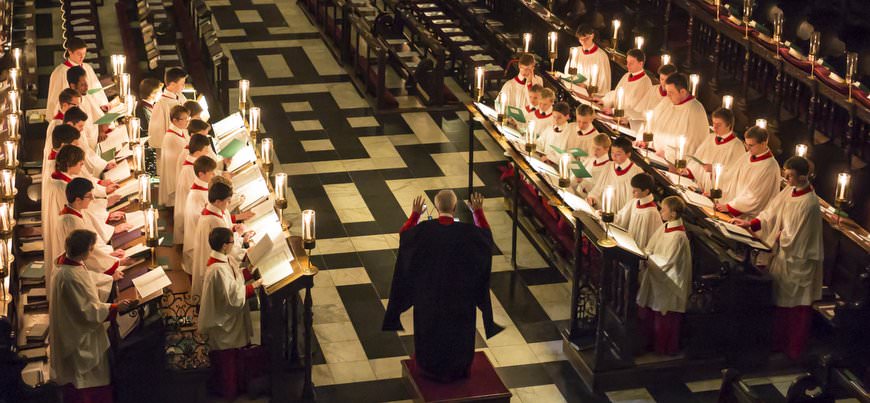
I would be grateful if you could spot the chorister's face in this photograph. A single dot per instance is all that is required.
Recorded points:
(792, 178)
(639, 193)
(78, 56)
(560, 118)
(526, 70)
(666, 213)
(86, 201)
(546, 103)
(599, 151)
(633, 64)
(586, 40)
(618, 155)
(80, 125)
(82, 85)
(754, 147)
(534, 98)
(182, 122)
(720, 127)
(206, 177)
(76, 168)
(662, 79)
(676, 96)
(585, 120)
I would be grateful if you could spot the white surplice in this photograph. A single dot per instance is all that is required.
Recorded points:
(597, 167)
(182, 188)
(209, 219)
(159, 123)
(792, 224)
(554, 135)
(223, 314)
(77, 332)
(597, 56)
(582, 138)
(655, 95)
(640, 218)
(620, 178)
(670, 121)
(197, 199)
(666, 282)
(726, 150)
(752, 185)
(516, 91)
(100, 260)
(636, 89)
(57, 83)
(173, 142)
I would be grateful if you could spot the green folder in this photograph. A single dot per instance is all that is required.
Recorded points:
(108, 155)
(107, 118)
(576, 152)
(580, 171)
(96, 90)
(575, 79)
(516, 114)
(232, 148)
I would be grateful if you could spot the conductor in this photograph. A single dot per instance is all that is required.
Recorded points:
(443, 269)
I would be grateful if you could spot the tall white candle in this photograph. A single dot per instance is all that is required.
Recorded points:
(607, 200)
(280, 184)
(761, 123)
(666, 59)
(727, 101)
(638, 42)
(695, 79)
(843, 180)
(717, 175)
(620, 98)
(800, 150)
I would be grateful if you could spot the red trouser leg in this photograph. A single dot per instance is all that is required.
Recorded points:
(791, 329)
(646, 327)
(97, 394)
(667, 332)
(225, 377)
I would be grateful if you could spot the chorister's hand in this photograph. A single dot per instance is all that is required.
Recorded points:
(113, 199)
(660, 152)
(257, 283)
(248, 235)
(123, 228)
(741, 223)
(417, 206)
(117, 275)
(118, 253)
(116, 215)
(111, 186)
(476, 202)
(111, 165)
(126, 261)
(592, 200)
(723, 208)
(244, 216)
(639, 144)
(125, 305)
(239, 228)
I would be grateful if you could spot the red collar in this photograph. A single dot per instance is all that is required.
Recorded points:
(212, 261)
(197, 187)
(595, 163)
(67, 261)
(724, 140)
(761, 157)
(187, 162)
(796, 193)
(592, 130)
(59, 116)
(662, 91)
(523, 81)
(677, 228)
(70, 210)
(632, 78)
(445, 220)
(530, 108)
(175, 133)
(52, 155)
(60, 176)
(652, 203)
(68, 63)
(590, 51)
(689, 98)
(206, 211)
(623, 171)
(540, 115)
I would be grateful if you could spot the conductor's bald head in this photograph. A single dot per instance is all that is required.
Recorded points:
(445, 201)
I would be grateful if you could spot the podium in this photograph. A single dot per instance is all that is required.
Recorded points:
(482, 384)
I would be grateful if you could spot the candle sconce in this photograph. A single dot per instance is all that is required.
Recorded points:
(619, 109)
(553, 51)
(747, 17)
(777, 33)
(7, 185)
(144, 194)
(572, 62)
(530, 137)
(727, 101)
(7, 218)
(841, 197)
(716, 176)
(815, 41)
(309, 239)
(608, 214)
(13, 78)
(6, 259)
(565, 170)
(527, 42)
(266, 155)
(16, 54)
(281, 196)
(851, 69)
(151, 233)
(12, 127)
(10, 155)
(680, 162)
(244, 87)
(254, 124)
(616, 25)
(592, 88)
(647, 133)
(479, 74)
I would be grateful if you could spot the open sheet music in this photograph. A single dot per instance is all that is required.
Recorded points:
(119, 173)
(151, 282)
(242, 158)
(276, 266)
(136, 219)
(228, 125)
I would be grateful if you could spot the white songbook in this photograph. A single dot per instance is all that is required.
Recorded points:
(151, 282)
(136, 219)
(245, 156)
(135, 250)
(127, 189)
(119, 173)
(228, 125)
(115, 139)
(276, 266)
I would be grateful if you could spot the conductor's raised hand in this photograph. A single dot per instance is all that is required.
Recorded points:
(417, 207)
(476, 202)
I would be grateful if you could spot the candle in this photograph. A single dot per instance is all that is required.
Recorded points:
(815, 40)
(607, 200)
(280, 184)
(266, 150)
(244, 86)
(571, 66)
(681, 148)
(124, 85)
(479, 73)
(565, 170)
(593, 75)
(666, 59)
(851, 66)
(747, 10)
(502, 102)
(695, 79)
(638, 42)
(718, 7)
(254, 119)
(14, 102)
(138, 158)
(12, 126)
(530, 132)
(761, 123)
(7, 215)
(527, 41)
(717, 175)
(616, 25)
(727, 101)
(133, 129)
(144, 189)
(620, 98)
(7, 183)
(13, 78)
(800, 150)
(648, 120)
(151, 217)
(777, 28)
(10, 152)
(308, 229)
(118, 64)
(16, 54)
(842, 186)
(552, 44)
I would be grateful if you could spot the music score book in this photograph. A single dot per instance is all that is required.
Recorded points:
(152, 282)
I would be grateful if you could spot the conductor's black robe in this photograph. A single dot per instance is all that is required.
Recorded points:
(443, 270)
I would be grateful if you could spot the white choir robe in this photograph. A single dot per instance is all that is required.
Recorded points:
(516, 91)
(636, 89)
(792, 224)
(174, 141)
(223, 314)
(654, 96)
(586, 58)
(78, 317)
(91, 132)
(159, 123)
(209, 219)
(56, 121)
(597, 167)
(641, 219)
(620, 179)
(182, 188)
(726, 150)
(554, 135)
(197, 199)
(672, 121)
(57, 83)
(584, 139)
(666, 288)
(100, 260)
(752, 185)
(543, 120)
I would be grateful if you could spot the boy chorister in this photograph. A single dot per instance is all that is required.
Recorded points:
(584, 132)
(640, 217)
(76, 51)
(196, 148)
(635, 85)
(555, 134)
(543, 114)
(597, 164)
(196, 111)
(67, 99)
(721, 147)
(666, 282)
(149, 90)
(792, 224)
(754, 179)
(224, 317)
(516, 90)
(658, 93)
(214, 215)
(534, 101)
(619, 176)
(174, 141)
(590, 54)
(175, 79)
(91, 134)
(94, 164)
(197, 198)
(79, 319)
